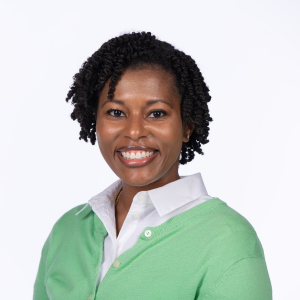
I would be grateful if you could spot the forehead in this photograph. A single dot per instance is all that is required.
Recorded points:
(143, 83)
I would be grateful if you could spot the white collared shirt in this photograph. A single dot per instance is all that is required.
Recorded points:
(148, 208)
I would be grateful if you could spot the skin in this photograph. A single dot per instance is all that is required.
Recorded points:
(135, 123)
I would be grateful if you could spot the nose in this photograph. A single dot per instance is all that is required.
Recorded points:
(135, 127)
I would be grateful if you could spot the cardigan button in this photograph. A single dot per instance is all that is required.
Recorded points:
(116, 263)
(148, 233)
(90, 297)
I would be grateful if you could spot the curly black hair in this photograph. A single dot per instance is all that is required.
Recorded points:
(138, 50)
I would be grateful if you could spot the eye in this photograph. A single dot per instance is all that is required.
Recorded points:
(115, 113)
(158, 113)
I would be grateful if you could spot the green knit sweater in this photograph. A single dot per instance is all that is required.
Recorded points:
(209, 252)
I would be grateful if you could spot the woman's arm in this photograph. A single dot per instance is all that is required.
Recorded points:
(247, 279)
(40, 292)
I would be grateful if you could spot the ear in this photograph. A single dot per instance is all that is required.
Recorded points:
(187, 130)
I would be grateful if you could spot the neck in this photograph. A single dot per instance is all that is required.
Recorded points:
(129, 191)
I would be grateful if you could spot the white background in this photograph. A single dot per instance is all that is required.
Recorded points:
(248, 52)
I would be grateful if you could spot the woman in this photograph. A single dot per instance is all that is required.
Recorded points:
(152, 234)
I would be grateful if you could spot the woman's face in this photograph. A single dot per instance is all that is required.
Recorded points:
(139, 130)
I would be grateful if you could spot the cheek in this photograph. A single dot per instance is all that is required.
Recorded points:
(106, 129)
(170, 137)
(106, 135)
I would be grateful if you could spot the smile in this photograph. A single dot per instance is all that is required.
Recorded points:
(136, 154)
(136, 158)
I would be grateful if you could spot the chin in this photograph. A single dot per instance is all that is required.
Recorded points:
(139, 180)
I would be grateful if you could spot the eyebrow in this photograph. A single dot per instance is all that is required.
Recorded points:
(148, 103)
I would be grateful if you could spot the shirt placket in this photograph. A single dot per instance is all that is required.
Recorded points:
(137, 208)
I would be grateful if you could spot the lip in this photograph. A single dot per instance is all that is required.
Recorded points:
(128, 148)
(136, 162)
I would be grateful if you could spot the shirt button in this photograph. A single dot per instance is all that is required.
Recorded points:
(148, 233)
(116, 263)
(135, 216)
(90, 297)
(141, 197)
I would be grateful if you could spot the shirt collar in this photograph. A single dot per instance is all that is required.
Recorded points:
(177, 193)
(165, 199)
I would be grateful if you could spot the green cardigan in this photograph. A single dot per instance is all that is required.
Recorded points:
(209, 252)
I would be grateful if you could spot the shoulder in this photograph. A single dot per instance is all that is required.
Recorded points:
(229, 220)
(230, 232)
(226, 219)
(70, 221)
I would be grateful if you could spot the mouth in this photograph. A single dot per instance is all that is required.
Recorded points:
(136, 158)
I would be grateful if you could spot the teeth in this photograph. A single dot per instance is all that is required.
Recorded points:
(137, 155)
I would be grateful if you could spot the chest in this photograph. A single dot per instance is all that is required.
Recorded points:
(164, 266)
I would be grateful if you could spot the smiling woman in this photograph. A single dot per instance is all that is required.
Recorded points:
(144, 119)
(152, 234)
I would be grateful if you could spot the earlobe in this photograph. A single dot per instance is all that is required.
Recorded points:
(189, 129)
(187, 136)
